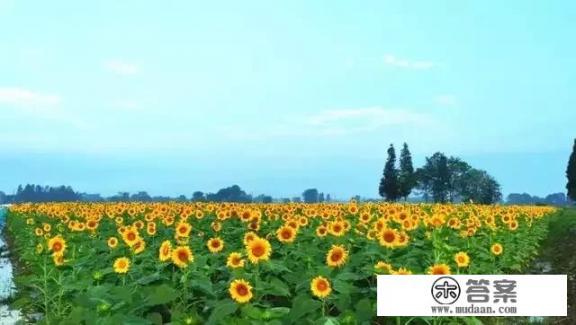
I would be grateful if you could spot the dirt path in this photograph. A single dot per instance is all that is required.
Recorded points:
(558, 256)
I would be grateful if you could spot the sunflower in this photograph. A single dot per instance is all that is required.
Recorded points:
(259, 249)
(439, 269)
(248, 237)
(403, 239)
(47, 227)
(39, 232)
(216, 226)
(181, 256)
(58, 259)
(130, 236)
(215, 245)
(402, 271)
(240, 290)
(336, 256)
(321, 231)
(365, 217)
(383, 267)
(151, 229)
(337, 228)
(91, 225)
(112, 242)
(183, 229)
(121, 265)
(57, 244)
(388, 238)
(39, 249)
(165, 252)
(286, 234)
(235, 260)
(462, 259)
(139, 246)
(320, 287)
(496, 249)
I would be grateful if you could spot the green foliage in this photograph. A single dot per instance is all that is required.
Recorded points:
(571, 174)
(407, 179)
(389, 186)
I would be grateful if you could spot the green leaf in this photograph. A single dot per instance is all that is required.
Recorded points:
(278, 288)
(251, 312)
(276, 312)
(364, 311)
(149, 279)
(327, 321)
(157, 295)
(301, 306)
(223, 308)
(472, 321)
(155, 318)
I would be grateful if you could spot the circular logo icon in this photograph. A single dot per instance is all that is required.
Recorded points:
(445, 290)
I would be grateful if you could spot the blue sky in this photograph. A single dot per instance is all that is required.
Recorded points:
(175, 96)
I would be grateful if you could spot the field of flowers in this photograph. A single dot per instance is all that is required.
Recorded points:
(196, 263)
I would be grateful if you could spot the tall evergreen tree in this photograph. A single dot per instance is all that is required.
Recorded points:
(389, 188)
(571, 174)
(407, 178)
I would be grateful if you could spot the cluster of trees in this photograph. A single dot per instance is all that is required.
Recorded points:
(571, 174)
(312, 195)
(525, 198)
(37, 193)
(441, 179)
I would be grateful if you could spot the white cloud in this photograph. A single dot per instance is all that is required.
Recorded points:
(367, 118)
(446, 100)
(126, 104)
(122, 68)
(25, 97)
(394, 61)
(342, 122)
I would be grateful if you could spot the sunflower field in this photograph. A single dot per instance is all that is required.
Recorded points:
(229, 263)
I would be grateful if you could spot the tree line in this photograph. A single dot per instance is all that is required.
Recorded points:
(234, 193)
(442, 179)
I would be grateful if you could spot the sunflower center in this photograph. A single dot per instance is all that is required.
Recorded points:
(322, 285)
(183, 256)
(389, 237)
(57, 247)
(336, 256)
(242, 290)
(258, 250)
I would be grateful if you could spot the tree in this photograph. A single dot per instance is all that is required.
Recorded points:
(141, 196)
(389, 188)
(480, 187)
(229, 194)
(571, 174)
(407, 177)
(434, 178)
(458, 169)
(262, 198)
(310, 195)
(321, 197)
(198, 196)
